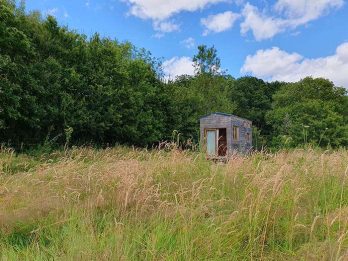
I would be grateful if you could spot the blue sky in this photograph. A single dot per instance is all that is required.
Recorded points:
(273, 40)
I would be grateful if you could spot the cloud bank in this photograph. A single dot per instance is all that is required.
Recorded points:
(263, 23)
(284, 15)
(276, 64)
(161, 10)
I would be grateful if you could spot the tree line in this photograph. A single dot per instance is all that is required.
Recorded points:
(60, 86)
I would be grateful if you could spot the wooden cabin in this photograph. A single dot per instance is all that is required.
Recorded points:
(223, 135)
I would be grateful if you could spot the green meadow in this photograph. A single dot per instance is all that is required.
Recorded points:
(128, 204)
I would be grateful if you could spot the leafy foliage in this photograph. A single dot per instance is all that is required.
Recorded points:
(105, 92)
(53, 79)
(312, 111)
(207, 61)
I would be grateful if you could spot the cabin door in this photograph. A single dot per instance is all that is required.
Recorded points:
(212, 142)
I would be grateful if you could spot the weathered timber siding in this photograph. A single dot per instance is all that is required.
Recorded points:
(242, 145)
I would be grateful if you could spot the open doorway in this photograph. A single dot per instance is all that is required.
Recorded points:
(222, 143)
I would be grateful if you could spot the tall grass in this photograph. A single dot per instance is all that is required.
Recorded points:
(126, 204)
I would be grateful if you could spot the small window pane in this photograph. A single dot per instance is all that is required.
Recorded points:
(235, 133)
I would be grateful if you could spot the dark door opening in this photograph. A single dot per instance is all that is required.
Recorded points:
(222, 143)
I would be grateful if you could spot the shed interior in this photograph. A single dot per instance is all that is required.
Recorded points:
(222, 142)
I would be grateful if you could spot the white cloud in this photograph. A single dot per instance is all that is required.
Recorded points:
(56, 12)
(177, 66)
(263, 23)
(189, 43)
(262, 26)
(161, 10)
(164, 9)
(275, 64)
(287, 14)
(219, 22)
(303, 11)
(165, 26)
(52, 12)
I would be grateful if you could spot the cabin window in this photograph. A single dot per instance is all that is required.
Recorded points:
(247, 136)
(235, 133)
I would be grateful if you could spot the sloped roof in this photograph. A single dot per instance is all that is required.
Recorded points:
(224, 114)
(217, 113)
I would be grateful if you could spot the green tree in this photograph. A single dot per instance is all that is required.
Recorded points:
(207, 61)
(253, 99)
(102, 90)
(309, 111)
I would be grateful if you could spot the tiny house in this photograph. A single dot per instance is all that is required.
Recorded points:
(223, 135)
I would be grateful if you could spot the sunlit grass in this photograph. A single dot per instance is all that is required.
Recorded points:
(126, 204)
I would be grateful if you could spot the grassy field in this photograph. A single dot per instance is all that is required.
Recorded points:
(124, 204)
